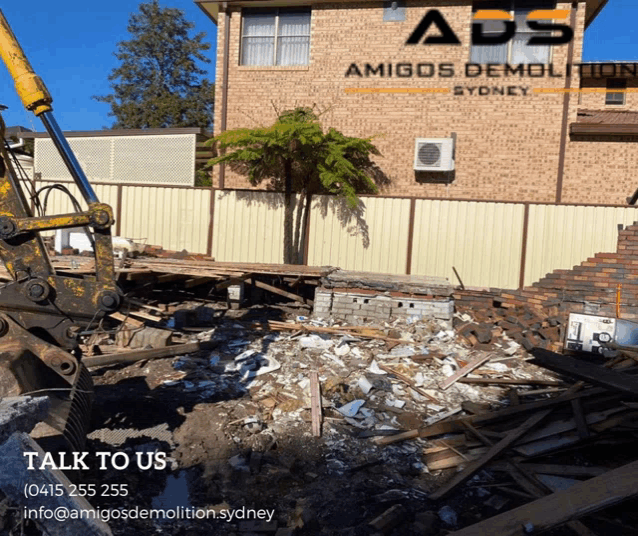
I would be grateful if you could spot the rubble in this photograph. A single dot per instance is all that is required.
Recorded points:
(16, 475)
(404, 425)
(21, 414)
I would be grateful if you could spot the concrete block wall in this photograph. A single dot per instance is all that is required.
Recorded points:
(354, 306)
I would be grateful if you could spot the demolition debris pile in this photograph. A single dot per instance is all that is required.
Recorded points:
(359, 418)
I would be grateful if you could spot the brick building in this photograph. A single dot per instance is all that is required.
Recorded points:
(530, 138)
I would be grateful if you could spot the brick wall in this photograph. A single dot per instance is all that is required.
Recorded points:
(507, 147)
(590, 287)
(600, 169)
(594, 98)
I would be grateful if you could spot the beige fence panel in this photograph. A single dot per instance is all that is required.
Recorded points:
(248, 226)
(483, 241)
(174, 218)
(59, 202)
(374, 240)
(561, 236)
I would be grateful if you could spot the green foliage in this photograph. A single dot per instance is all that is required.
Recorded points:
(203, 178)
(158, 83)
(296, 155)
(321, 162)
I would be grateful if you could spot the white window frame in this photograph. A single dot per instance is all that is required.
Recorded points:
(512, 11)
(611, 93)
(276, 11)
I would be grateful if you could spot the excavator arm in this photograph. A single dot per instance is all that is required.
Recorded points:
(42, 312)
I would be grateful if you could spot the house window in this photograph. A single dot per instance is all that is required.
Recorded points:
(275, 36)
(516, 50)
(394, 11)
(612, 97)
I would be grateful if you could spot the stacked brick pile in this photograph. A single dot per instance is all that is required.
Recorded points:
(529, 328)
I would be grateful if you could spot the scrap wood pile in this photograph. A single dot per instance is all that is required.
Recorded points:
(472, 415)
(193, 272)
(554, 452)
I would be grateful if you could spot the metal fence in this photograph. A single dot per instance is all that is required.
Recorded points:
(490, 244)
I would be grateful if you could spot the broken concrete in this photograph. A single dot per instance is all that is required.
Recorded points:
(21, 414)
(75, 515)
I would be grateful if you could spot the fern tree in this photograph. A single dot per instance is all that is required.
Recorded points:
(296, 155)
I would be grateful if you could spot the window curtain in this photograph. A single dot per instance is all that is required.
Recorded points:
(258, 46)
(490, 53)
(293, 40)
(521, 51)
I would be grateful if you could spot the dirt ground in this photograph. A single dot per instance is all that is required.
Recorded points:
(228, 449)
(235, 424)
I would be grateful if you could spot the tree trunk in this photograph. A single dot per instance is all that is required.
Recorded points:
(297, 238)
(288, 214)
(305, 226)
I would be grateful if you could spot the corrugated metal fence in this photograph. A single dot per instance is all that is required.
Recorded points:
(490, 244)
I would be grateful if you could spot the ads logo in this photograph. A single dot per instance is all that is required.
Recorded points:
(540, 20)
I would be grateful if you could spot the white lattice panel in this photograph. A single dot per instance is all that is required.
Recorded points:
(167, 159)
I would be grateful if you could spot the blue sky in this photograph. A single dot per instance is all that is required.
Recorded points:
(71, 45)
(614, 33)
(71, 48)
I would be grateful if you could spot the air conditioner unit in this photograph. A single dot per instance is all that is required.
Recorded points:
(434, 154)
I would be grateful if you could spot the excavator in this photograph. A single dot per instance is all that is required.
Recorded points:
(43, 313)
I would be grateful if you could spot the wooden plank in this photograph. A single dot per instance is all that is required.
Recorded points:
(442, 444)
(442, 415)
(583, 370)
(456, 425)
(283, 293)
(388, 440)
(143, 305)
(518, 474)
(153, 353)
(235, 280)
(196, 281)
(494, 451)
(560, 426)
(278, 326)
(407, 381)
(127, 320)
(529, 482)
(167, 278)
(448, 459)
(315, 403)
(554, 469)
(555, 509)
(542, 446)
(145, 316)
(451, 380)
(579, 417)
(508, 381)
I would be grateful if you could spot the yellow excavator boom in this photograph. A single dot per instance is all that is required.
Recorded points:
(34, 94)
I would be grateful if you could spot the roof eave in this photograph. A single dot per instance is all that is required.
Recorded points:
(590, 18)
(605, 129)
(210, 9)
(119, 132)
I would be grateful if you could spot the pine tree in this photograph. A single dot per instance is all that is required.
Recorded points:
(296, 155)
(159, 82)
